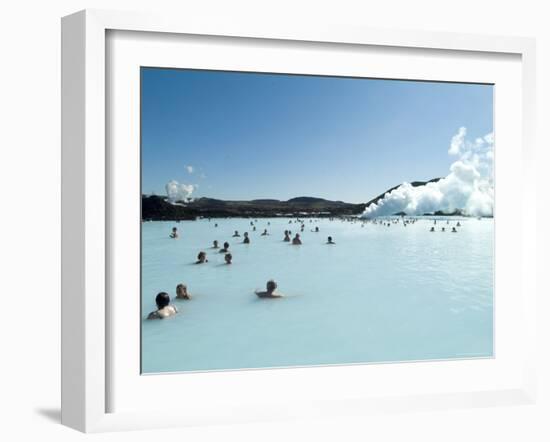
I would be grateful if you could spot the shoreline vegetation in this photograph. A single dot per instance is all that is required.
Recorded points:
(158, 208)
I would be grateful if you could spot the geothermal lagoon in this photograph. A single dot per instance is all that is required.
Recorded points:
(380, 294)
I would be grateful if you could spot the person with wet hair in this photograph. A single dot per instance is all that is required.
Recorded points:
(215, 244)
(264, 233)
(181, 292)
(174, 234)
(246, 239)
(164, 308)
(271, 286)
(225, 247)
(228, 258)
(287, 236)
(296, 240)
(330, 241)
(236, 234)
(201, 258)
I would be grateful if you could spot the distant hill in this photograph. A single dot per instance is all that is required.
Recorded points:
(157, 208)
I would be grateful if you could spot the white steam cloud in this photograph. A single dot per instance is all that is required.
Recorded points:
(468, 187)
(179, 192)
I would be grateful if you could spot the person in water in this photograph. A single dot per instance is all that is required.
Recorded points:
(316, 229)
(270, 288)
(329, 240)
(236, 233)
(225, 247)
(432, 229)
(287, 236)
(228, 258)
(201, 258)
(442, 229)
(265, 233)
(174, 234)
(164, 309)
(454, 230)
(181, 292)
(215, 244)
(246, 239)
(458, 224)
(297, 241)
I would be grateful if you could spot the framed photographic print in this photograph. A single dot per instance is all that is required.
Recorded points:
(275, 223)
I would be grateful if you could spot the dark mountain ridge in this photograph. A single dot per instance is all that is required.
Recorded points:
(155, 207)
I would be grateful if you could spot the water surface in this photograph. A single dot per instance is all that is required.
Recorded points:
(381, 294)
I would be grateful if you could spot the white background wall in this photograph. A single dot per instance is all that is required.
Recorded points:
(30, 219)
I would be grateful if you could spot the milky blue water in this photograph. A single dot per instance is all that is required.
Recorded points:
(380, 294)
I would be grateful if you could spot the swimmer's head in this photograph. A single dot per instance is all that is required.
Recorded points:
(162, 300)
(201, 256)
(181, 290)
(216, 243)
(329, 239)
(271, 285)
(174, 229)
(245, 233)
(226, 245)
(228, 258)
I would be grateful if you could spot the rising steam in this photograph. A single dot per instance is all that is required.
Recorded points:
(468, 187)
(179, 192)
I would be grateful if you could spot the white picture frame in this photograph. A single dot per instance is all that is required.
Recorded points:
(86, 233)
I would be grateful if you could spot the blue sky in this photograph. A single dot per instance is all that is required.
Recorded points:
(248, 135)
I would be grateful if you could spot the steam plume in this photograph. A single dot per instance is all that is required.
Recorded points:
(468, 187)
(178, 192)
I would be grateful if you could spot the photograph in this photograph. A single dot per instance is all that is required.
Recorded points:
(300, 220)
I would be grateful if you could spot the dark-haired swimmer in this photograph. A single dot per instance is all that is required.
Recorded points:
(201, 258)
(246, 239)
(228, 258)
(174, 234)
(215, 244)
(297, 241)
(330, 241)
(225, 247)
(164, 309)
(236, 233)
(271, 286)
(265, 233)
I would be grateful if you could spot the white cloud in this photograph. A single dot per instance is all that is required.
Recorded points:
(190, 169)
(469, 186)
(179, 192)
